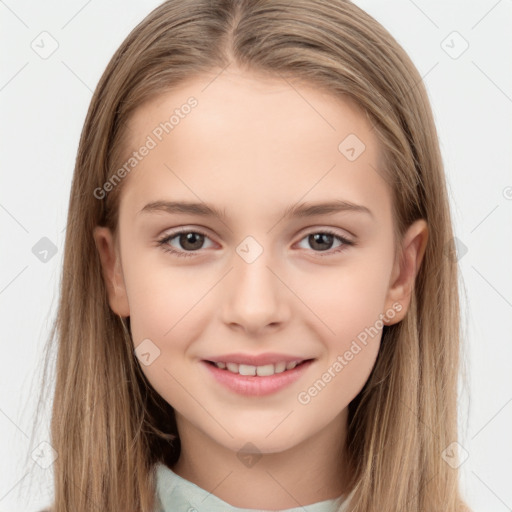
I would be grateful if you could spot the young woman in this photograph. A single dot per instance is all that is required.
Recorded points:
(258, 305)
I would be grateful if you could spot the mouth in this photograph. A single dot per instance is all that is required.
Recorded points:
(261, 370)
(256, 381)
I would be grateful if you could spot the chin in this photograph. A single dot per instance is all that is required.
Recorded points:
(258, 441)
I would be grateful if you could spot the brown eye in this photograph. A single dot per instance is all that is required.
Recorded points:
(322, 241)
(185, 242)
(190, 241)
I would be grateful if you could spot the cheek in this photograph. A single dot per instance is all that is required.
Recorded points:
(164, 308)
(163, 303)
(350, 351)
(345, 300)
(349, 303)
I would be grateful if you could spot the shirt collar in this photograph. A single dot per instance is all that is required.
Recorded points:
(175, 493)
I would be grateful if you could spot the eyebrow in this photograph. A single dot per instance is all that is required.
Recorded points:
(300, 210)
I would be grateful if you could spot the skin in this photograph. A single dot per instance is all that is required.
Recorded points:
(253, 146)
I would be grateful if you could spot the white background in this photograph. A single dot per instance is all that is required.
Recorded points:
(43, 104)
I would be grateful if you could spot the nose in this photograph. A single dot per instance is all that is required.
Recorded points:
(256, 299)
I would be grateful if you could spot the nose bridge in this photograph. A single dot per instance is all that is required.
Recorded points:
(256, 297)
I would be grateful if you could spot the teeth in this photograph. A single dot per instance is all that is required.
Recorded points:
(280, 367)
(261, 371)
(266, 370)
(246, 369)
(232, 367)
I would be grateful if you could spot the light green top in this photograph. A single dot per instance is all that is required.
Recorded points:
(176, 494)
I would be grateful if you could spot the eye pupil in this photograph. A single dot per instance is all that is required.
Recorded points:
(317, 239)
(195, 239)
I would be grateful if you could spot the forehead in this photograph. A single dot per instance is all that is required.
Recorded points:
(249, 140)
(242, 104)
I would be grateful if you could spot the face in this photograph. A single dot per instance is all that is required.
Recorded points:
(270, 274)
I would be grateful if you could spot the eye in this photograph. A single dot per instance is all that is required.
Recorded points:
(190, 241)
(323, 241)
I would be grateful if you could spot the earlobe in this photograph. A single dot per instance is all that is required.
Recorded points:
(112, 271)
(406, 268)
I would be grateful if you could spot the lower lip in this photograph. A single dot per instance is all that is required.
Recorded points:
(253, 385)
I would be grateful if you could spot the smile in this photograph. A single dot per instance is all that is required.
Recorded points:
(261, 371)
(256, 380)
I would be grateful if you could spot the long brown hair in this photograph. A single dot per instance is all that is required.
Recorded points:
(109, 427)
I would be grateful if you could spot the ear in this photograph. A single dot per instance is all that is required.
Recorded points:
(405, 269)
(112, 270)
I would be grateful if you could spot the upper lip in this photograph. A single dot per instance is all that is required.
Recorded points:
(257, 360)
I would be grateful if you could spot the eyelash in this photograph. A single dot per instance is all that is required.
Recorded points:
(186, 254)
